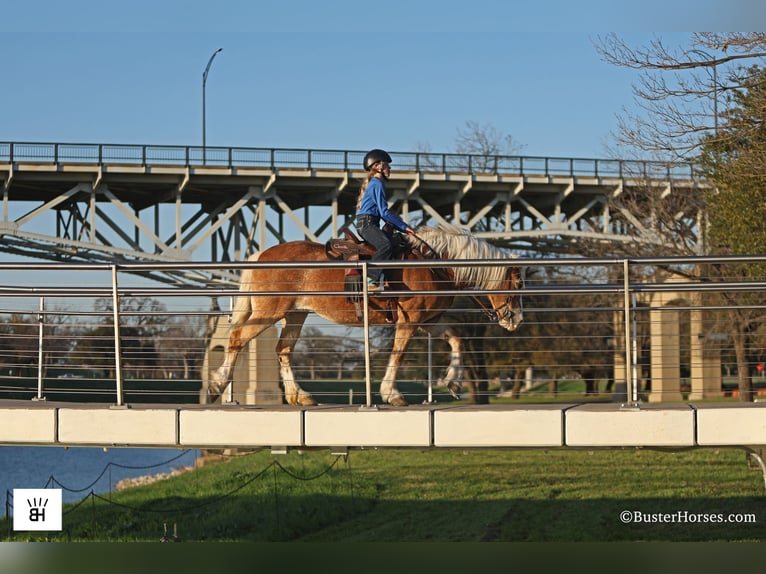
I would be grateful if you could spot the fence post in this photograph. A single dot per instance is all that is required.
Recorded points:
(366, 315)
(41, 322)
(430, 400)
(117, 352)
(630, 390)
(634, 346)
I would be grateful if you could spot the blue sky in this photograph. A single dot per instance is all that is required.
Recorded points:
(333, 75)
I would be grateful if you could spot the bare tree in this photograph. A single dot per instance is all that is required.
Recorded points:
(700, 102)
(478, 147)
(682, 92)
(181, 347)
(485, 140)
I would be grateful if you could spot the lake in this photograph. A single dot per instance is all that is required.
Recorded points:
(78, 471)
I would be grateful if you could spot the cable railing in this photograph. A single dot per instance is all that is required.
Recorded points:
(621, 335)
(346, 160)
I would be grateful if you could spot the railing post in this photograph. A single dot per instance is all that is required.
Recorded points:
(430, 400)
(40, 365)
(117, 346)
(366, 318)
(630, 391)
(634, 347)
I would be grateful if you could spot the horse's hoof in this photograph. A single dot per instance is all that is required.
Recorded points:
(397, 401)
(301, 400)
(306, 401)
(454, 389)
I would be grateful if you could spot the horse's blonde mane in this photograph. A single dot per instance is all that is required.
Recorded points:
(453, 242)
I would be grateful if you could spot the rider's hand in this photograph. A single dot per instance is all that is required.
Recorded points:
(410, 231)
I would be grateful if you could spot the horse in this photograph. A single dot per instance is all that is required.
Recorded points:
(254, 313)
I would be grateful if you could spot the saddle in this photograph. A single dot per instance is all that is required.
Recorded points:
(352, 248)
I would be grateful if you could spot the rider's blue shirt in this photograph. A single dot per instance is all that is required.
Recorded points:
(374, 203)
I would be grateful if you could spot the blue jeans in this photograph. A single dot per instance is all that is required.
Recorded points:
(369, 228)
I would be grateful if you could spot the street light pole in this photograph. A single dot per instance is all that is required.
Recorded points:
(204, 82)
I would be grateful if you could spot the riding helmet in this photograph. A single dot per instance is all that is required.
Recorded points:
(374, 156)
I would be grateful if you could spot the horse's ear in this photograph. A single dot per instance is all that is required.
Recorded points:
(527, 271)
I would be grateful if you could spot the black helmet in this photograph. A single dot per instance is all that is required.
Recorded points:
(374, 156)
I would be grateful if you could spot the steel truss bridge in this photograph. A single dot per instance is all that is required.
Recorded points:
(114, 203)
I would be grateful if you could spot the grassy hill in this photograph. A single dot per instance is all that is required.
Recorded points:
(436, 496)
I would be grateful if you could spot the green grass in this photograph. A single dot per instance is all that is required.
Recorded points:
(434, 496)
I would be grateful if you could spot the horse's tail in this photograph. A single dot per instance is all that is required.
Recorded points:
(242, 306)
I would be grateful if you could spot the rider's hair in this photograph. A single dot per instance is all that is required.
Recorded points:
(370, 174)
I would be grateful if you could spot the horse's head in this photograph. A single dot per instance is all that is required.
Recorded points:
(452, 242)
(507, 308)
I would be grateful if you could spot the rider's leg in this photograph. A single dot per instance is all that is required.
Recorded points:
(375, 236)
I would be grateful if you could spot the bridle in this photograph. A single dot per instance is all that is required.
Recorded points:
(504, 310)
(493, 314)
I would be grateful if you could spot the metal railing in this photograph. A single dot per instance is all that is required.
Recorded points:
(347, 160)
(622, 309)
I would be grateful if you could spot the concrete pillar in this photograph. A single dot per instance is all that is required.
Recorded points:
(705, 361)
(665, 346)
(256, 373)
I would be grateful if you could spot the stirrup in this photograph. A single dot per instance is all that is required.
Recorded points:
(375, 287)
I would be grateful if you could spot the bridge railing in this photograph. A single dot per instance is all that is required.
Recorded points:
(83, 333)
(347, 160)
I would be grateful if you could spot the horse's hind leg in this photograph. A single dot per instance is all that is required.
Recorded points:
(291, 330)
(453, 378)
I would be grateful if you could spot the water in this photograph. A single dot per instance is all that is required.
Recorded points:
(78, 471)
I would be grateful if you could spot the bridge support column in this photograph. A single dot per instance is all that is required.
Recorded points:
(665, 347)
(705, 360)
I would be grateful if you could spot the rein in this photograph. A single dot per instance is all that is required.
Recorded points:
(492, 314)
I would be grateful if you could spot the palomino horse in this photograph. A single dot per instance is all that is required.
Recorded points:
(253, 313)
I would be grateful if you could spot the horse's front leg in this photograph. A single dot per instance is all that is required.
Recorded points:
(388, 390)
(291, 330)
(455, 374)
